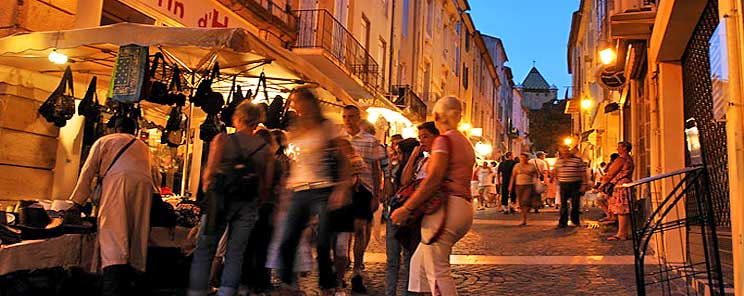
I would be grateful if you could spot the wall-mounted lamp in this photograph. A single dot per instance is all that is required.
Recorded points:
(607, 56)
(57, 57)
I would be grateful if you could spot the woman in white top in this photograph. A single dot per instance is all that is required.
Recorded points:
(524, 176)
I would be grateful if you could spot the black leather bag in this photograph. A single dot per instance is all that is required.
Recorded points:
(173, 135)
(157, 90)
(210, 128)
(234, 99)
(205, 87)
(175, 92)
(89, 106)
(59, 107)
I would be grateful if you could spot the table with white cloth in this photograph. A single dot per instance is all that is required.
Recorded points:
(77, 250)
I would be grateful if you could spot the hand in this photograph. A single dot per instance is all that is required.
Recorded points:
(510, 189)
(400, 216)
(416, 150)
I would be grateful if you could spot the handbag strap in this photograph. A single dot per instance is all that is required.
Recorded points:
(66, 82)
(236, 143)
(154, 68)
(117, 158)
(175, 83)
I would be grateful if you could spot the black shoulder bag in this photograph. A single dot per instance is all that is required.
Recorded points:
(243, 182)
(59, 107)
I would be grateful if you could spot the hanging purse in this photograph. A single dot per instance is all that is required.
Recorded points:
(88, 107)
(236, 93)
(175, 93)
(173, 135)
(157, 89)
(210, 128)
(205, 87)
(60, 105)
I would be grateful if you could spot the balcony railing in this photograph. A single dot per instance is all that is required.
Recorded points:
(409, 102)
(319, 29)
(275, 12)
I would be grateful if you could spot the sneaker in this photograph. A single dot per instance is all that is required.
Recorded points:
(357, 285)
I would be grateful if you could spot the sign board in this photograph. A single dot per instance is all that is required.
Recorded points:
(719, 72)
(129, 74)
(611, 78)
(192, 13)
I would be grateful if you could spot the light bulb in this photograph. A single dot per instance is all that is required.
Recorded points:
(57, 57)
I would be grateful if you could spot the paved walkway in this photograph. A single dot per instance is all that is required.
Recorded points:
(499, 258)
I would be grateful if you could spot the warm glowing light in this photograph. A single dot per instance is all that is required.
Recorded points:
(465, 127)
(476, 132)
(409, 132)
(483, 149)
(607, 56)
(390, 116)
(57, 57)
(586, 104)
(568, 141)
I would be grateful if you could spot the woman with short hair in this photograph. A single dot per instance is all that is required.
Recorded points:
(450, 166)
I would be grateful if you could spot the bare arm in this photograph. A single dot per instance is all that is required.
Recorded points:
(513, 178)
(435, 174)
(91, 166)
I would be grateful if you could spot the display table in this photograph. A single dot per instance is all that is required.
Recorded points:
(177, 237)
(69, 250)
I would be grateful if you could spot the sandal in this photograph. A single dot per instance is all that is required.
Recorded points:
(616, 238)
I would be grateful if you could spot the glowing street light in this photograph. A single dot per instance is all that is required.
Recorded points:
(586, 104)
(57, 57)
(568, 141)
(607, 56)
(465, 127)
(476, 132)
(483, 149)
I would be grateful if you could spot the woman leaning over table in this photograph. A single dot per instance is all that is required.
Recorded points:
(430, 266)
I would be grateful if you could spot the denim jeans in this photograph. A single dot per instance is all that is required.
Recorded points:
(570, 191)
(241, 216)
(393, 262)
(306, 204)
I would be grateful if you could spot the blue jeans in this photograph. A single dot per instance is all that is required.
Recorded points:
(570, 191)
(306, 204)
(241, 216)
(393, 262)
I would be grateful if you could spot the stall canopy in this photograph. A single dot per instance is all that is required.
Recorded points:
(93, 51)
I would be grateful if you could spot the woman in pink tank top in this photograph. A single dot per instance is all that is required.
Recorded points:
(430, 268)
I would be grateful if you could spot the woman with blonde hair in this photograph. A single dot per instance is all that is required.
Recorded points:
(448, 172)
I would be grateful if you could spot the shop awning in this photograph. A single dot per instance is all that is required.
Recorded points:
(93, 51)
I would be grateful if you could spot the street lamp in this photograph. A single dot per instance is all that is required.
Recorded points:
(465, 127)
(568, 141)
(607, 56)
(586, 104)
(483, 149)
(476, 132)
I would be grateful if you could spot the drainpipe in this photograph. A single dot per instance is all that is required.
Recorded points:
(392, 52)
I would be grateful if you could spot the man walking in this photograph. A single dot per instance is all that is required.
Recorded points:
(373, 154)
(570, 172)
(542, 169)
(505, 172)
(485, 185)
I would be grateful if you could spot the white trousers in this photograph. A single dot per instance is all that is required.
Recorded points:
(430, 264)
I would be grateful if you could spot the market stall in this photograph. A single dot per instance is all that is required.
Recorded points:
(37, 61)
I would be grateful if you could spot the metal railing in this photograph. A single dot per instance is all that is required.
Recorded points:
(407, 100)
(678, 230)
(274, 11)
(319, 29)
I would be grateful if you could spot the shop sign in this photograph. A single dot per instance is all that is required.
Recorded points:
(193, 13)
(611, 78)
(719, 72)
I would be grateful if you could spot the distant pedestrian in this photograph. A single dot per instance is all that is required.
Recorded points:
(523, 179)
(505, 172)
(571, 173)
(543, 171)
(485, 184)
(620, 172)
(603, 197)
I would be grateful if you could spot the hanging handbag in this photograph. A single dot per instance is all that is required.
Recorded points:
(175, 92)
(173, 134)
(89, 105)
(95, 197)
(234, 98)
(210, 128)
(157, 90)
(205, 86)
(60, 105)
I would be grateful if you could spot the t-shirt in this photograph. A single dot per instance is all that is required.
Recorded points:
(460, 166)
(571, 169)
(484, 176)
(505, 168)
(312, 145)
(525, 174)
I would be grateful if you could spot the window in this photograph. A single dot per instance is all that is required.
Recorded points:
(465, 76)
(429, 17)
(365, 31)
(404, 26)
(467, 41)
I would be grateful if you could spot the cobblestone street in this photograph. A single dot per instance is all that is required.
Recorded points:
(499, 258)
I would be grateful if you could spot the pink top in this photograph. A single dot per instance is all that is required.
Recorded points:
(460, 168)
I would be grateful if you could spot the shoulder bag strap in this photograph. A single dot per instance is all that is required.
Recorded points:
(244, 157)
(117, 158)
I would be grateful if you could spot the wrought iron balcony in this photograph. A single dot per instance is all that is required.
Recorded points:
(319, 29)
(404, 97)
(271, 17)
(632, 19)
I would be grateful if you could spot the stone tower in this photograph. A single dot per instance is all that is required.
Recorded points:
(536, 91)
